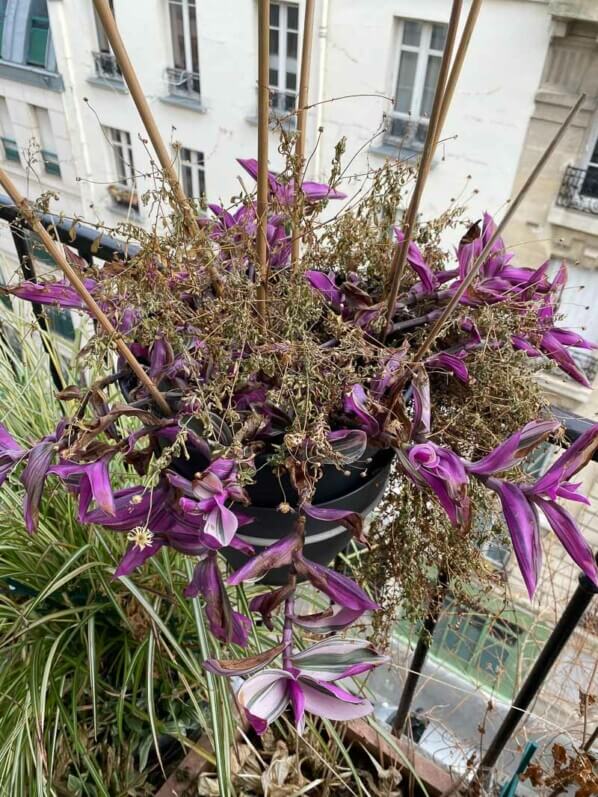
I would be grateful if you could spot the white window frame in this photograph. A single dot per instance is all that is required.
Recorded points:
(183, 83)
(283, 29)
(121, 150)
(424, 51)
(196, 165)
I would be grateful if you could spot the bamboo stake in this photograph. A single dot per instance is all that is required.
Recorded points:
(399, 258)
(308, 26)
(58, 255)
(470, 23)
(106, 17)
(513, 206)
(262, 156)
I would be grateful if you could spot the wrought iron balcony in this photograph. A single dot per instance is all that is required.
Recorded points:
(182, 83)
(587, 362)
(579, 189)
(106, 66)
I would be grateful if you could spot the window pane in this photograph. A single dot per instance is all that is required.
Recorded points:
(398, 128)
(187, 176)
(412, 32)
(291, 45)
(291, 81)
(273, 77)
(590, 183)
(421, 132)
(406, 81)
(430, 82)
(438, 37)
(273, 42)
(177, 32)
(194, 45)
(274, 14)
(293, 17)
(594, 156)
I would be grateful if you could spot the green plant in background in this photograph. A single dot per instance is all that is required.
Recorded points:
(93, 678)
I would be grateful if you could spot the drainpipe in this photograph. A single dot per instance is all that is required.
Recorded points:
(322, 47)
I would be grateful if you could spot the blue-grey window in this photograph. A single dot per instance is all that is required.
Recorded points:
(25, 34)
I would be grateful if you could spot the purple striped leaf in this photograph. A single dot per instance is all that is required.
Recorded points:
(244, 666)
(524, 528)
(573, 541)
(349, 444)
(331, 620)
(339, 588)
(276, 555)
(329, 701)
(335, 658)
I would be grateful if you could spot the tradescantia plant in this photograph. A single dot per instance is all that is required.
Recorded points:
(323, 384)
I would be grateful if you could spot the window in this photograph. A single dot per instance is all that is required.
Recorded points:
(284, 46)
(9, 144)
(183, 78)
(105, 62)
(46, 140)
(3, 4)
(420, 55)
(484, 640)
(123, 192)
(193, 173)
(39, 36)
(590, 184)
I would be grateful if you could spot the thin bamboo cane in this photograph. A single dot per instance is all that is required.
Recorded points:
(513, 206)
(262, 157)
(306, 48)
(399, 258)
(447, 98)
(58, 256)
(106, 17)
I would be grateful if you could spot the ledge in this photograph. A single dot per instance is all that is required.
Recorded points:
(184, 102)
(273, 123)
(567, 393)
(32, 75)
(396, 151)
(108, 83)
(571, 219)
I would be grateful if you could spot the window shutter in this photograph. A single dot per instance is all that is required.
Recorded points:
(38, 41)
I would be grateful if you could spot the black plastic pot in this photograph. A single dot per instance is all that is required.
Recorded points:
(359, 487)
(323, 539)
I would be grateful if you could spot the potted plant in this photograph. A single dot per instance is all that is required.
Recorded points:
(261, 393)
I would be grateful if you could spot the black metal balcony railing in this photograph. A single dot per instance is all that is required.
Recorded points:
(579, 189)
(182, 83)
(90, 245)
(106, 66)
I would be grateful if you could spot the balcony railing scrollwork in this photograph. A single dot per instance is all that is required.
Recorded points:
(579, 190)
(106, 66)
(182, 83)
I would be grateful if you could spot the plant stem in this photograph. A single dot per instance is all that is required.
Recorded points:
(513, 207)
(58, 256)
(106, 17)
(308, 25)
(399, 257)
(287, 631)
(262, 159)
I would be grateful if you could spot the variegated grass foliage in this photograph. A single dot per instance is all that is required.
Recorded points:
(101, 683)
